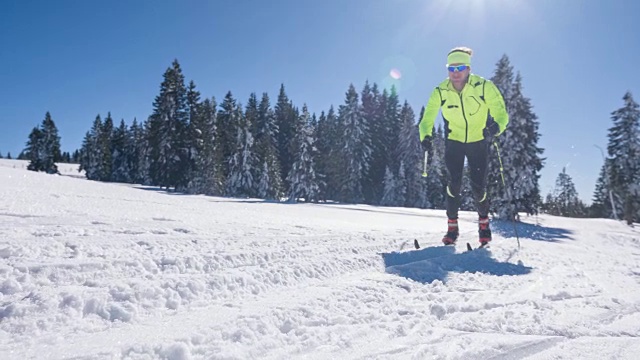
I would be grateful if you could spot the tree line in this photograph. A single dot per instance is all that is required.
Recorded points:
(365, 151)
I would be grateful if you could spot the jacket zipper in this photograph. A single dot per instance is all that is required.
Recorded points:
(464, 115)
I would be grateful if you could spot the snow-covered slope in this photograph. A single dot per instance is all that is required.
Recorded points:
(91, 270)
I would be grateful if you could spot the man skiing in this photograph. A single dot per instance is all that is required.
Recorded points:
(474, 113)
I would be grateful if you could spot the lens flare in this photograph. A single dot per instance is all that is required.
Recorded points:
(395, 73)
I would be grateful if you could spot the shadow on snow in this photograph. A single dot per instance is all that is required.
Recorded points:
(530, 231)
(435, 263)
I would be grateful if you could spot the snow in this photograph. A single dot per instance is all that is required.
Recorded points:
(92, 270)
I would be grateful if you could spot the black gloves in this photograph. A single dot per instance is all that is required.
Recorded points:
(491, 131)
(426, 143)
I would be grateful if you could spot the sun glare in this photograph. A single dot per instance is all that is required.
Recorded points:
(476, 16)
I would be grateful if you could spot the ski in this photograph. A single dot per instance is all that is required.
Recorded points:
(482, 246)
(416, 244)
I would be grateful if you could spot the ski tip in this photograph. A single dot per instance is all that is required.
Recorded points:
(416, 244)
(469, 248)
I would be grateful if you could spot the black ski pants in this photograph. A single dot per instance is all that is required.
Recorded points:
(477, 155)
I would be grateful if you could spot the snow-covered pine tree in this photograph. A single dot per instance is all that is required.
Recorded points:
(371, 114)
(137, 148)
(624, 156)
(436, 180)
(389, 196)
(50, 145)
(394, 188)
(355, 150)
(91, 153)
(194, 133)
(43, 147)
(392, 124)
(240, 182)
(411, 155)
(119, 155)
(167, 131)
(269, 177)
(35, 150)
(602, 195)
(104, 141)
(302, 176)
(285, 119)
(331, 157)
(207, 176)
(379, 144)
(521, 157)
(322, 141)
(227, 130)
(565, 200)
(251, 119)
(401, 189)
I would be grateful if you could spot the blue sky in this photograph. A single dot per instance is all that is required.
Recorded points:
(77, 59)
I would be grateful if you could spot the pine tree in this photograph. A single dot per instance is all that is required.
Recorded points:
(227, 130)
(379, 145)
(602, 196)
(521, 157)
(207, 178)
(9, 156)
(91, 153)
(355, 150)
(193, 138)
(565, 200)
(105, 143)
(137, 159)
(285, 120)
(51, 145)
(391, 129)
(43, 148)
(389, 197)
(371, 115)
(302, 176)
(269, 177)
(436, 181)
(395, 186)
(411, 155)
(322, 141)
(75, 157)
(624, 156)
(119, 155)
(65, 157)
(331, 157)
(35, 150)
(240, 182)
(167, 132)
(1, 156)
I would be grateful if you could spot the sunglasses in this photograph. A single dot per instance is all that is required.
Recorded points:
(456, 68)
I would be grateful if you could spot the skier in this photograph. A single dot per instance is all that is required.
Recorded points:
(474, 113)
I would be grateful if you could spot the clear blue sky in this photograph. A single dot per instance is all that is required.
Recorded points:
(77, 59)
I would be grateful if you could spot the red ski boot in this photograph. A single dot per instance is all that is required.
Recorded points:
(452, 232)
(484, 231)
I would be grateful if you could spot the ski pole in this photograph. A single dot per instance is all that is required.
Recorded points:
(426, 157)
(515, 229)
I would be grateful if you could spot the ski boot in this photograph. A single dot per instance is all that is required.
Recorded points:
(484, 231)
(452, 232)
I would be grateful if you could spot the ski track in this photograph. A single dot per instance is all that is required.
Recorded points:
(151, 282)
(277, 308)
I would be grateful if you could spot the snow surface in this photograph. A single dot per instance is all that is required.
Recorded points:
(91, 270)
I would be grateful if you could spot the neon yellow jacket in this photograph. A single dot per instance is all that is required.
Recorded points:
(467, 113)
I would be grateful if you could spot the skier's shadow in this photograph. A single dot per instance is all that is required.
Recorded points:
(435, 263)
(530, 231)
